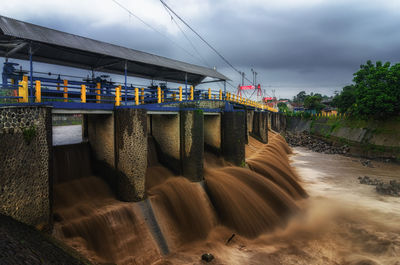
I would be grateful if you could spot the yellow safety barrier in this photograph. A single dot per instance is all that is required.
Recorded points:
(220, 94)
(98, 97)
(23, 92)
(136, 96)
(65, 90)
(38, 91)
(83, 93)
(180, 93)
(118, 96)
(209, 93)
(142, 95)
(191, 92)
(158, 95)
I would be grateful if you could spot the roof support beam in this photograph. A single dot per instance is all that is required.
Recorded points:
(16, 49)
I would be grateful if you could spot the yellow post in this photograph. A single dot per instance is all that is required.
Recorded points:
(83, 93)
(180, 93)
(142, 95)
(158, 94)
(136, 96)
(162, 96)
(38, 91)
(220, 94)
(215, 97)
(23, 92)
(173, 96)
(98, 88)
(209, 93)
(191, 92)
(118, 96)
(65, 90)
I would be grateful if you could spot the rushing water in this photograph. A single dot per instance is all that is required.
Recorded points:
(261, 208)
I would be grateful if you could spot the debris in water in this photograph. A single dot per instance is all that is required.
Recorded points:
(207, 257)
(392, 188)
(230, 239)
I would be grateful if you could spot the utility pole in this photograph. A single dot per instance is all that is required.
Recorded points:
(243, 74)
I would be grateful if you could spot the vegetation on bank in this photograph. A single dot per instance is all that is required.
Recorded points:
(375, 93)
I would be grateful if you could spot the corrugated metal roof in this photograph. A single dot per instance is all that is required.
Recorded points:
(57, 47)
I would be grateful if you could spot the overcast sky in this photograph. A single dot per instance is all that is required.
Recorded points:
(294, 45)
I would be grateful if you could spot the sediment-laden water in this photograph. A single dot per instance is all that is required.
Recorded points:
(261, 208)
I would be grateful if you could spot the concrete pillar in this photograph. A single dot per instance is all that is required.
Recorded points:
(131, 153)
(25, 164)
(212, 133)
(192, 144)
(260, 126)
(166, 132)
(249, 123)
(234, 137)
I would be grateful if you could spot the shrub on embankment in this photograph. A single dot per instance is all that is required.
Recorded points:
(369, 138)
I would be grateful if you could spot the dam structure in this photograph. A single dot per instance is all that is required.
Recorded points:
(118, 119)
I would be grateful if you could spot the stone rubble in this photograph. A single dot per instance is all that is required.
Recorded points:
(392, 188)
(317, 145)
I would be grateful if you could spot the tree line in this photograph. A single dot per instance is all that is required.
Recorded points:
(374, 94)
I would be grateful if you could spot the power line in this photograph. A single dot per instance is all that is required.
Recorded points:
(198, 35)
(186, 37)
(147, 24)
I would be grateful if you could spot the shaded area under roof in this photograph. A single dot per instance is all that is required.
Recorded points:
(57, 47)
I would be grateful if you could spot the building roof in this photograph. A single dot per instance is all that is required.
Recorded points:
(61, 48)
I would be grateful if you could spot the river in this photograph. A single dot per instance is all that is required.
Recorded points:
(342, 222)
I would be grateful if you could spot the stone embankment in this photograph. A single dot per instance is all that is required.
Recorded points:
(392, 188)
(305, 139)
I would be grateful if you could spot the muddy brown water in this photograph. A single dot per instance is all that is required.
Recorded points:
(265, 206)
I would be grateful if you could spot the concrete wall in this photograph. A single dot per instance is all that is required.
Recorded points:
(192, 144)
(131, 153)
(212, 132)
(25, 151)
(166, 132)
(260, 126)
(234, 137)
(101, 137)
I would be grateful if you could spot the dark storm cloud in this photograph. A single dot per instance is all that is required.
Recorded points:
(314, 47)
(328, 35)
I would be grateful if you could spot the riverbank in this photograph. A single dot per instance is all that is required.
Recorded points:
(368, 139)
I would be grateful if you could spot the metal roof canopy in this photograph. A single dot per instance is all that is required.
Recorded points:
(57, 47)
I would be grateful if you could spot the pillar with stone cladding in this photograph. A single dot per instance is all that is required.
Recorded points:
(192, 144)
(25, 171)
(130, 153)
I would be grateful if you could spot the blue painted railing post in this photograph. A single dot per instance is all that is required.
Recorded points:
(31, 71)
(186, 92)
(126, 73)
(224, 89)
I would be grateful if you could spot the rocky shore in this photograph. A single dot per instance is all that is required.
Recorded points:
(317, 145)
(22, 244)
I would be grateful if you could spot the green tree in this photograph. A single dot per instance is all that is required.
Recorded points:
(346, 99)
(282, 107)
(314, 103)
(377, 90)
(300, 97)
